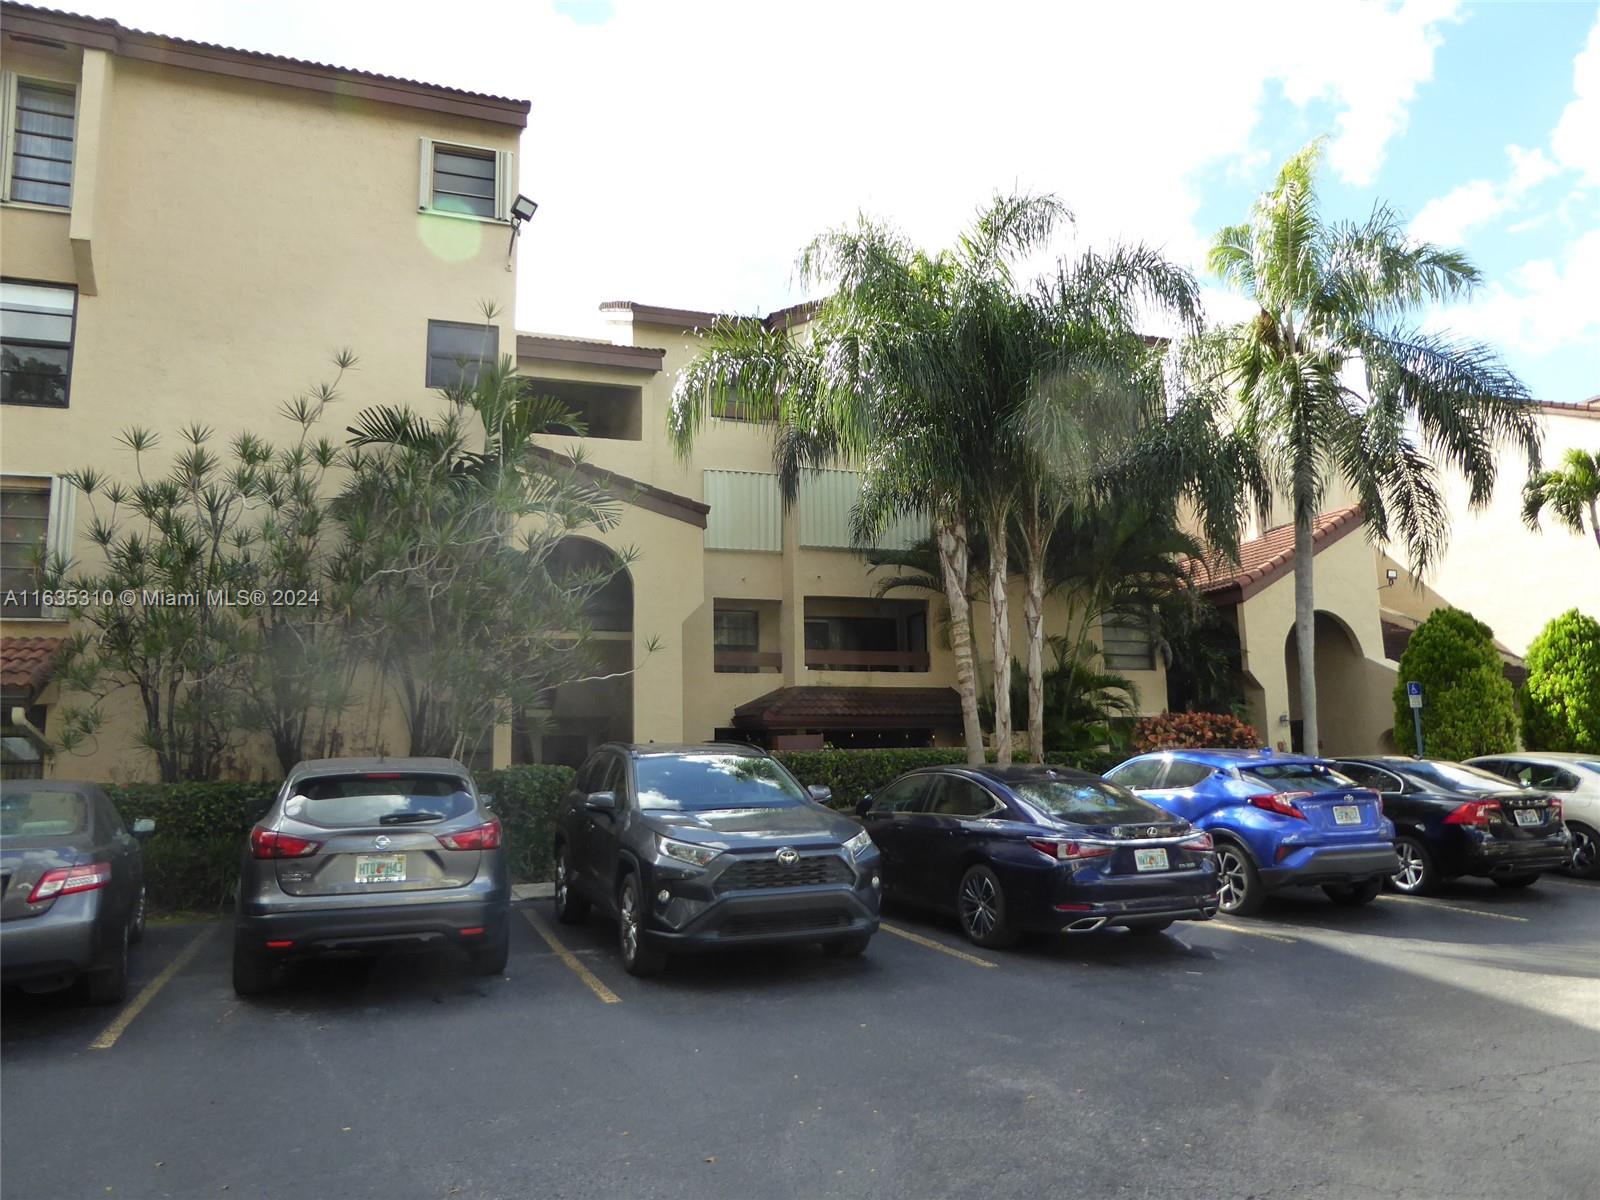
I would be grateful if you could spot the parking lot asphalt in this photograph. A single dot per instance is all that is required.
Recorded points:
(1410, 1049)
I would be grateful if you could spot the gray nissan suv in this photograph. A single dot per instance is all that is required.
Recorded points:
(369, 854)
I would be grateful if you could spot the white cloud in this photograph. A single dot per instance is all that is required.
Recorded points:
(1447, 219)
(1545, 305)
(1576, 140)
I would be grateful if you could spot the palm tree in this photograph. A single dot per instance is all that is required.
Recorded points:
(1570, 490)
(893, 375)
(1335, 385)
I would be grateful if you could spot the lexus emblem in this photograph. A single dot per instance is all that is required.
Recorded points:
(788, 856)
(381, 842)
(1151, 832)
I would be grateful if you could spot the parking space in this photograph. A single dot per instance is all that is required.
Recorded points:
(1315, 1051)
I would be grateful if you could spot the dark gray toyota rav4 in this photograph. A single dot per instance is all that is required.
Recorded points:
(714, 845)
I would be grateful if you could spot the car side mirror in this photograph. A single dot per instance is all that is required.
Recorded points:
(143, 827)
(601, 802)
(863, 806)
(820, 792)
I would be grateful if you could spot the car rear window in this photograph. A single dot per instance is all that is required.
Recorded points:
(1087, 801)
(42, 812)
(704, 782)
(1456, 777)
(342, 801)
(1297, 777)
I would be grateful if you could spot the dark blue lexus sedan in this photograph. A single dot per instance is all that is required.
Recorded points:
(1040, 849)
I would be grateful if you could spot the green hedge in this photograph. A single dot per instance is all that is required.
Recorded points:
(192, 860)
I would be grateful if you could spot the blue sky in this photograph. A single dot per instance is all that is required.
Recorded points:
(682, 152)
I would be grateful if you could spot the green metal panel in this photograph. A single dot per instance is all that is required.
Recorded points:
(827, 500)
(746, 511)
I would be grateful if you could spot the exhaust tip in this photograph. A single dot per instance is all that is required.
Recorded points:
(1086, 925)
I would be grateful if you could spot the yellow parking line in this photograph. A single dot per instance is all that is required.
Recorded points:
(1261, 933)
(590, 979)
(933, 945)
(1474, 912)
(147, 993)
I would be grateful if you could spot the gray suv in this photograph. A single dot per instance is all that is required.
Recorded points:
(368, 854)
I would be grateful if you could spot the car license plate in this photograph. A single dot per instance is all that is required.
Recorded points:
(1346, 814)
(380, 868)
(1150, 860)
(1527, 816)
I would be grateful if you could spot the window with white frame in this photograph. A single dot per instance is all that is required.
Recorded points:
(40, 126)
(457, 351)
(36, 517)
(36, 326)
(1127, 644)
(467, 181)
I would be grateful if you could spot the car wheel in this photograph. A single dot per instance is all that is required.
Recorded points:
(571, 909)
(638, 958)
(1585, 853)
(1352, 894)
(1417, 876)
(490, 958)
(1516, 881)
(1150, 928)
(1242, 892)
(136, 926)
(981, 904)
(252, 971)
(108, 984)
(850, 947)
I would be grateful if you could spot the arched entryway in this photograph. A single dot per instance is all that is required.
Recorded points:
(582, 715)
(1340, 667)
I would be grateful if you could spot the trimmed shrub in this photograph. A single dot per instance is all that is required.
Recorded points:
(525, 800)
(1194, 731)
(1467, 703)
(1561, 700)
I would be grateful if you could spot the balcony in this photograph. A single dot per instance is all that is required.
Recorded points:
(821, 659)
(853, 633)
(746, 660)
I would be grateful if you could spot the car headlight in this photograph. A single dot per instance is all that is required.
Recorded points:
(697, 856)
(858, 844)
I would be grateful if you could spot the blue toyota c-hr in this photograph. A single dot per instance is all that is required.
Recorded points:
(1278, 820)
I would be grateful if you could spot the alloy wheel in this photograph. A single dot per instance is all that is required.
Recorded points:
(561, 880)
(1231, 881)
(979, 906)
(1584, 851)
(1409, 877)
(629, 920)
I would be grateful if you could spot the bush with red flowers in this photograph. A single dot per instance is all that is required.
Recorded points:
(1193, 731)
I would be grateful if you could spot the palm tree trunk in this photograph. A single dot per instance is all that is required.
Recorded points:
(1305, 628)
(953, 570)
(1033, 614)
(1000, 613)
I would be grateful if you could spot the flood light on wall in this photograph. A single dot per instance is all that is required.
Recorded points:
(522, 209)
(1392, 576)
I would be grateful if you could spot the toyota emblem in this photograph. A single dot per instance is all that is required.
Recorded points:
(381, 842)
(788, 856)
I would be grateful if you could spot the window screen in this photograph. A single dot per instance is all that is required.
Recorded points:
(35, 342)
(457, 351)
(1127, 644)
(463, 181)
(41, 155)
(24, 523)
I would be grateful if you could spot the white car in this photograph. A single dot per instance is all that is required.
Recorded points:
(1575, 780)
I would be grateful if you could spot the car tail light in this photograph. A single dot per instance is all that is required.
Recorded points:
(1475, 812)
(1198, 841)
(1068, 851)
(268, 843)
(1555, 808)
(1282, 803)
(63, 881)
(479, 837)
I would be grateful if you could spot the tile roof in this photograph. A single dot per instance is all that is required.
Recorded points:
(692, 318)
(26, 663)
(850, 708)
(1266, 558)
(31, 22)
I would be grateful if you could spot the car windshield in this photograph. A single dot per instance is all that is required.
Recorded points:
(1457, 777)
(378, 798)
(702, 782)
(42, 812)
(1087, 801)
(1297, 777)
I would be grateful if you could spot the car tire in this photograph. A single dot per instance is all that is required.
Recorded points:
(1150, 928)
(981, 908)
(108, 983)
(571, 909)
(136, 925)
(850, 947)
(1242, 891)
(1418, 874)
(252, 971)
(491, 957)
(1352, 894)
(1516, 881)
(638, 957)
(1585, 862)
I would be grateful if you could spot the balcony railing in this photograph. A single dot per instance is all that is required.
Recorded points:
(747, 660)
(880, 660)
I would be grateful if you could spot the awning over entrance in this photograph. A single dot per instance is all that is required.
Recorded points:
(26, 664)
(804, 708)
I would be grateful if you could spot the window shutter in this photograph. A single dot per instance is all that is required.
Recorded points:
(505, 183)
(425, 176)
(59, 530)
